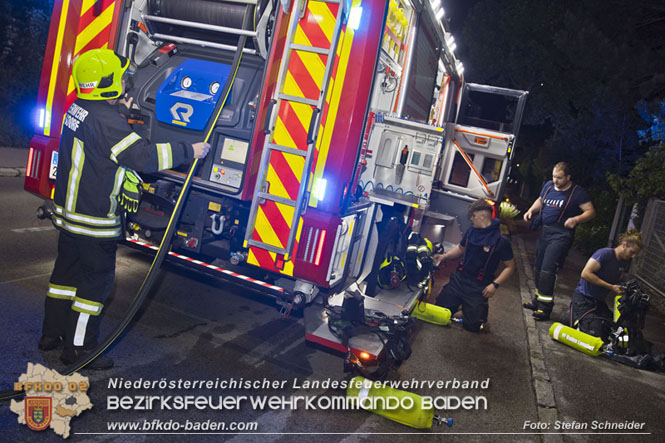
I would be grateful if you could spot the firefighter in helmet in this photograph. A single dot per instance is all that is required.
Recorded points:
(98, 149)
(481, 249)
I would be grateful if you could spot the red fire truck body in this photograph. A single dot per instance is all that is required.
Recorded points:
(341, 113)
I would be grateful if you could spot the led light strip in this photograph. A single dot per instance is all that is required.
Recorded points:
(55, 66)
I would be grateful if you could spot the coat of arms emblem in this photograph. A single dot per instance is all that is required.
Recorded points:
(38, 412)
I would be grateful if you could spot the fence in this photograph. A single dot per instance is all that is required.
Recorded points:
(649, 267)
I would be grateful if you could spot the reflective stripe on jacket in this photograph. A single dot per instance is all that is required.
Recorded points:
(96, 146)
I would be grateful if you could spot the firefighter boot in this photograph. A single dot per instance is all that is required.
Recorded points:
(47, 343)
(542, 306)
(532, 305)
(544, 298)
(543, 311)
(72, 355)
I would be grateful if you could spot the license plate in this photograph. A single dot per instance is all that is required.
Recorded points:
(53, 170)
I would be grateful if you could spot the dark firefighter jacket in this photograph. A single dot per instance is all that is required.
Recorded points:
(96, 146)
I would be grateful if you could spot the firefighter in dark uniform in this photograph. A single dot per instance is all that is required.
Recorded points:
(97, 148)
(562, 206)
(481, 249)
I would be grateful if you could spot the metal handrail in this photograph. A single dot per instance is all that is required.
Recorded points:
(225, 29)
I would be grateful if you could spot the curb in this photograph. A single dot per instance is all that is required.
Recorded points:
(12, 172)
(542, 384)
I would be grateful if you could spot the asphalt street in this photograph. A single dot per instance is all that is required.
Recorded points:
(195, 327)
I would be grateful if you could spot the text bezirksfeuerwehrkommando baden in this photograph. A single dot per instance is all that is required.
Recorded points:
(233, 399)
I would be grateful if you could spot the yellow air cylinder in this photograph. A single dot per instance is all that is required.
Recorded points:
(623, 339)
(405, 26)
(397, 24)
(431, 313)
(400, 406)
(576, 339)
(392, 9)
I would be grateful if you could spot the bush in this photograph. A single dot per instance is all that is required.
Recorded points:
(595, 234)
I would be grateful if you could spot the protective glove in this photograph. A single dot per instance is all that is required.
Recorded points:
(132, 188)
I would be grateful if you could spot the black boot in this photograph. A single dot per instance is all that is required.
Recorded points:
(541, 315)
(47, 343)
(72, 355)
(530, 305)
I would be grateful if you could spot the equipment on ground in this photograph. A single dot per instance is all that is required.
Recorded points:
(352, 320)
(400, 406)
(576, 339)
(626, 343)
(432, 313)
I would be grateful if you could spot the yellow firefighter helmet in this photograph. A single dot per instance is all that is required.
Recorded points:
(98, 74)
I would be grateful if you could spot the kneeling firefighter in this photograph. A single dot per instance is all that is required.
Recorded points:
(97, 149)
(620, 331)
(600, 277)
(624, 343)
(481, 249)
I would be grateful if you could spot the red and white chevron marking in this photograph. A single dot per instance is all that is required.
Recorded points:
(209, 266)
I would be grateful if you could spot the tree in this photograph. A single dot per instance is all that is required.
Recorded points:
(578, 60)
(23, 32)
(647, 178)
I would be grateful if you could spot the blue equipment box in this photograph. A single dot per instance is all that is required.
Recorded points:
(188, 97)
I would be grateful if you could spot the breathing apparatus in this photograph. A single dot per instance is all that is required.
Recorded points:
(352, 319)
(392, 272)
(419, 263)
(626, 343)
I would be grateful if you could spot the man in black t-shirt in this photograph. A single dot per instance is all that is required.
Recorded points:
(482, 248)
(562, 206)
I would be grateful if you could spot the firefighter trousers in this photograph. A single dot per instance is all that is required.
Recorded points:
(81, 281)
(553, 245)
(468, 292)
(590, 316)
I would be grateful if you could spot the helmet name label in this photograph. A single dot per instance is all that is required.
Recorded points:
(87, 85)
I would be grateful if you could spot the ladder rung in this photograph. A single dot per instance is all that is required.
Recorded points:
(329, 1)
(315, 49)
(287, 150)
(293, 98)
(269, 247)
(282, 200)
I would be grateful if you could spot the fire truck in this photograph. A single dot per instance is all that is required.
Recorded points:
(342, 114)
